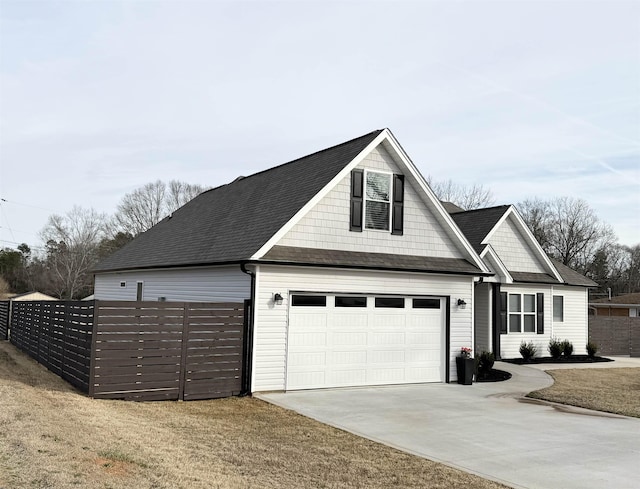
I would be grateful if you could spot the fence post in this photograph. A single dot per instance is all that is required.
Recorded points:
(185, 346)
(94, 339)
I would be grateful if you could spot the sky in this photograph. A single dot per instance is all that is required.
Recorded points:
(527, 98)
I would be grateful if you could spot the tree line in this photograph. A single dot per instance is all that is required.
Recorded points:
(567, 229)
(76, 241)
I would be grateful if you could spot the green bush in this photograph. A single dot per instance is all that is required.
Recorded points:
(485, 363)
(592, 349)
(528, 350)
(556, 347)
(567, 348)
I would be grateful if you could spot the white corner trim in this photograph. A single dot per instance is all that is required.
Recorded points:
(318, 197)
(491, 254)
(446, 217)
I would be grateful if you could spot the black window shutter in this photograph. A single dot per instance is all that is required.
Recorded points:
(540, 313)
(397, 221)
(357, 177)
(503, 313)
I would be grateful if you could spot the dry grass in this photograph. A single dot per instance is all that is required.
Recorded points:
(51, 436)
(613, 390)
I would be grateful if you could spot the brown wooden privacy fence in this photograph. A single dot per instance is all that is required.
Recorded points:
(168, 350)
(57, 334)
(4, 319)
(137, 350)
(615, 335)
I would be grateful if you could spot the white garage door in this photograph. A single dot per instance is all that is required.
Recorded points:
(345, 340)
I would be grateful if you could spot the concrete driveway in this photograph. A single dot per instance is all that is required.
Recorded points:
(487, 429)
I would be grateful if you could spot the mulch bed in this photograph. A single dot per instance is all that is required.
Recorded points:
(494, 375)
(562, 359)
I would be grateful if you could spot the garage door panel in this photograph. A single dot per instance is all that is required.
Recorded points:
(348, 338)
(340, 358)
(386, 338)
(310, 358)
(353, 346)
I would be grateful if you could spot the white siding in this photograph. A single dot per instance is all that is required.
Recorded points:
(574, 327)
(270, 336)
(514, 250)
(482, 311)
(575, 324)
(326, 226)
(181, 284)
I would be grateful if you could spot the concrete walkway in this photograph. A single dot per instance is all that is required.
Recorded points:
(487, 429)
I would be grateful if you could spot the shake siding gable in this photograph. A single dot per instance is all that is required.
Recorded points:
(327, 225)
(270, 336)
(514, 250)
(183, 285)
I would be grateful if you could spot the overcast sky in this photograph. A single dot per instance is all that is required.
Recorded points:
(531, 99)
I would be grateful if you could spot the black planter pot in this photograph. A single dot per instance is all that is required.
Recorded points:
(465, 367)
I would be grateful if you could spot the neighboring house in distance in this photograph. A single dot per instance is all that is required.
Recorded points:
(627, 305)
(531, 297)
(31, 296)
(354, 268)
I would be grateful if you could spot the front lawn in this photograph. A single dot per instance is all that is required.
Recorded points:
(613, 390)
(53, 437)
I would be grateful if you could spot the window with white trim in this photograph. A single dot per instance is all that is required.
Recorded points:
(377, 206)
(558, 308)
(522, 313)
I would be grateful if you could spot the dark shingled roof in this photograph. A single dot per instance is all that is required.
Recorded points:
(572, 277)
(339, 258)
(230, 223)
(476, 224)
(627, 299)
(532, 277)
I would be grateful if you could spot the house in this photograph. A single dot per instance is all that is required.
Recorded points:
(627, 305)
(529, 297)
(31, 296)
(357, 274)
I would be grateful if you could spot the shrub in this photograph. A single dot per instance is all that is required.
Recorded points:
(528, 350)
(592, 349)
(567, 348)
(485, 363)
(556, 347)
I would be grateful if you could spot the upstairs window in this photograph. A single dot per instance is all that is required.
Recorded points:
(377, 201)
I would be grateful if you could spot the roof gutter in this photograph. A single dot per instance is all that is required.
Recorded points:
(248, 335)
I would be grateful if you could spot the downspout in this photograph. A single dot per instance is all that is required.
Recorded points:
(248, 350)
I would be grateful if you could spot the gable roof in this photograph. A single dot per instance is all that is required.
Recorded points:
(242, 221)
(627, 300)
(477, 224)
(230, 223)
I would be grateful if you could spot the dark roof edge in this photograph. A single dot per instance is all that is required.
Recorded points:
(171, 267)
(365, 267)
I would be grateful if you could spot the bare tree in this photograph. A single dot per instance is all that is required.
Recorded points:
(146, 206)
(72, 248)
(568, 229)
(465, 196)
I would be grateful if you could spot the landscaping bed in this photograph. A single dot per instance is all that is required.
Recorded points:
(494, 375)
(562, 359)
